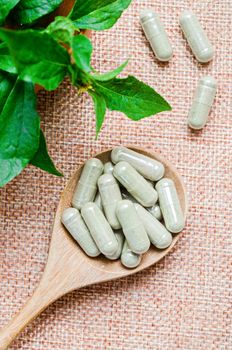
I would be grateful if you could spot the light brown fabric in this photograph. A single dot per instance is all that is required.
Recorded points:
(183, 302)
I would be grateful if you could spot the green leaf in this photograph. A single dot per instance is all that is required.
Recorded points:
(109, 75)
(97, 14)
(132, 97)
(19, 131)
(82, 51)
(37, 56)
(28, 11)
(6, 62)
(62, 29)
(100, 109)
(42, 159)
(7, 82)
(5, 7)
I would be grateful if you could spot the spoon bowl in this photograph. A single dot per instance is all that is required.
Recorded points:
(69, 268)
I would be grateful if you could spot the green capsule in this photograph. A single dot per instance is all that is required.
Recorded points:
(150, 168)
(202, 102)
(74, 223)
(155, 211)
(196, 37)
(132, 227)
(108, 168)
(110, 195)
(170, 205)
(135, 184)
(129, 258)
(87, 185)
(99, 228)
(158, 234)
(120, 237)
(156, 35)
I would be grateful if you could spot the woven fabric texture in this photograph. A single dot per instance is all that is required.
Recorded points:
(184, 301)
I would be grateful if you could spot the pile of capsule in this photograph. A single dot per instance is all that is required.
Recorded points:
(202, 50)
(115, 210)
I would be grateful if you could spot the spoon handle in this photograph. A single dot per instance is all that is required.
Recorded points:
(44, 295)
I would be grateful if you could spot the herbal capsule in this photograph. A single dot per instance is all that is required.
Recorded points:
(150, 168)
(135, 184)
(129, 258)
(120, 237)
(196, 37)
(74, 223)
(98, 201)
(159, 236)
(170, 205)
(108, 168)
(99, 228)
(87, 185)
(155, 211)
(202, 102)
(156, 35)
(110, 195)
(132, 227)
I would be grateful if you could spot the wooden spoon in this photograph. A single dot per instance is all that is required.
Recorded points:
(68, 268)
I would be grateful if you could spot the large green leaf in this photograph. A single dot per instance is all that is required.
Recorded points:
(81, 51)
(132, 97)
(100, 109)
(5, 7)
(109, 75)
(19, 131)
(28, 11)
(61, 29)
(97, 14)
(6, 62)
(7, 82)
(37, 56)
(42, 159)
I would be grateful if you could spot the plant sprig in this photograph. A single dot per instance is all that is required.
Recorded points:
(30, 56)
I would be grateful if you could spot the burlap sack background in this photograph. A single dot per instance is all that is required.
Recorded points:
(184, 302)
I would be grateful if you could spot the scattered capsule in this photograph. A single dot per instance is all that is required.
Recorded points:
(170, 205)
(110, 195)
(155, 211)
(135, 184)
(159, 236)
(150, 168)
(108, 168)
(74, 223)
(87, 185)
(202, 102)
(196, 37)
(98, 201)
(132, 227)
(129, 258)
(120, 237)
(99, 228)
(156, 35)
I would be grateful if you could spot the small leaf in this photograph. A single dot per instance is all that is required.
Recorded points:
(100, 109)
(109, 75)
(28, 11)
(19, 131)
(5, 7)
(37, 56)
(82, 51)
(97, 14)
(42, 159)
(132, 97)
(6, 62)
(7, 82)
(62, 29)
